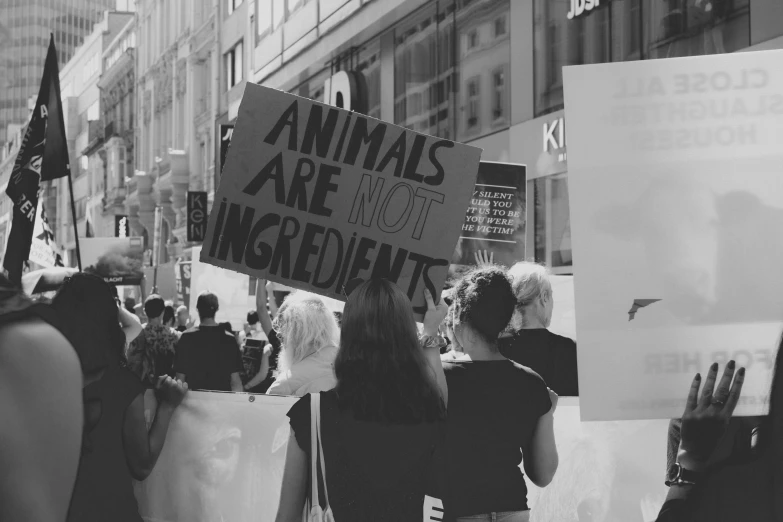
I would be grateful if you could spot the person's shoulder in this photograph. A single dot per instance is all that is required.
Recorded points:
(526, 373)
(565, 342)
(31, 340)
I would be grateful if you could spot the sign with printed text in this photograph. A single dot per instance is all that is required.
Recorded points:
(676, 202)
(495, 219)
(197, 216)
(313, 196)
(119, 261)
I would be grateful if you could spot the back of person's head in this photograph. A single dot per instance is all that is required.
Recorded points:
(252, 317)
(207, 305)
(381, 369)
(532, 287)
(87, 309)
(483, 300)
(154, 306)
(182, 313)
(168, 315)
(305, 325)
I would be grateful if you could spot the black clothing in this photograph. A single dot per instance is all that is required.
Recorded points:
(551, 356)
(208, 355)
(494, 408)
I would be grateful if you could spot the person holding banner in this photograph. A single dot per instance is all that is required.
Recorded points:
(309, 335)
(40, 404)
(550, 355)
(382, 424)
(496, 408)
(116, 445)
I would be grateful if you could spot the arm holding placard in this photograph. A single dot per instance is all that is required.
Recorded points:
(432, 342)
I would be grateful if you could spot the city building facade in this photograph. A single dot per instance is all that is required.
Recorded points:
(176, 108)
(84, 130)
(25, 27)
(489, 72)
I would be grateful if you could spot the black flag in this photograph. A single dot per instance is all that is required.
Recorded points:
(43, 156)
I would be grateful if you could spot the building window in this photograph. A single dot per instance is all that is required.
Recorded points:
(123, 165)
(499, 94)
(232, 5)
(500, 27)
(473, 39)
(233, 60)
(472, 102)
(624, 30)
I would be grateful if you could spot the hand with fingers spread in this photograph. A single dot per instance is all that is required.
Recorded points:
(707, 414)
(484, 258)
(435, 314)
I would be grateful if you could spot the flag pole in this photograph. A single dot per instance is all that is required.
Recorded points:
(75, 224)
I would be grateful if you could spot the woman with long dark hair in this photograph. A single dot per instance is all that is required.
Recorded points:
(500, 412)
(116, 445)
(382, 423)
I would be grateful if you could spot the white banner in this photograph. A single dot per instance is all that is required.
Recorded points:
(676, 207)
(223, 460)
(224, 457)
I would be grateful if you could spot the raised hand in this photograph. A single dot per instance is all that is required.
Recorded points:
(707, 414)
(435, 314)
(484, 258)
(171, 391)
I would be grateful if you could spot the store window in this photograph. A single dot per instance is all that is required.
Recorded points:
(624, 30)
(446, 58)
(552, 223)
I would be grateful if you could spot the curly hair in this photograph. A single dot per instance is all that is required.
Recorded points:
(484, 299)
(382, 374)
(88, 311)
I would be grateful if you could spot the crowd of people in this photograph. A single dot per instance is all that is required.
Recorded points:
(443, 418)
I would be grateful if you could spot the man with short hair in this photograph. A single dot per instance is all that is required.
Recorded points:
(151, 354)
(183, 319)
(208, 357)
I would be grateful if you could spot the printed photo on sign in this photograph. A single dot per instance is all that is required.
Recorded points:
(117, 260)
(495, 219)
(676, 193)
(313, 196)
(223, 460)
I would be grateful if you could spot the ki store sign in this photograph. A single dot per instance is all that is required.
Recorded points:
(580, 7)
(555, 138)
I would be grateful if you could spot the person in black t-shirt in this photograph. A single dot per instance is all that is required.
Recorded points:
(550, 355)
(496, 408)
(208, 357)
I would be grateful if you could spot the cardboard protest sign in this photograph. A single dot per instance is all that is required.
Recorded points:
(231, 289)
(223, 459)
(676, 196)
(495, 219)
(313, 196)
(117, 260)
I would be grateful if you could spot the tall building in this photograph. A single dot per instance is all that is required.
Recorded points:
(25, 26)
(484, 72)
(85, 131)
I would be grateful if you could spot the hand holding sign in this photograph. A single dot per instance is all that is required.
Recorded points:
(314, 196)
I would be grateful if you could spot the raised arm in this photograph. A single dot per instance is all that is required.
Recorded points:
(131, 325)
(540, 457)
(432, 320)
(262, 298)
(40, 440)
(142, 448)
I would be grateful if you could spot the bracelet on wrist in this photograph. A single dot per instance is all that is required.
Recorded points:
(432, 341)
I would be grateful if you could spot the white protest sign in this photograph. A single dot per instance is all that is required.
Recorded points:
(223, 460)
(676, 207)
(313, 196)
